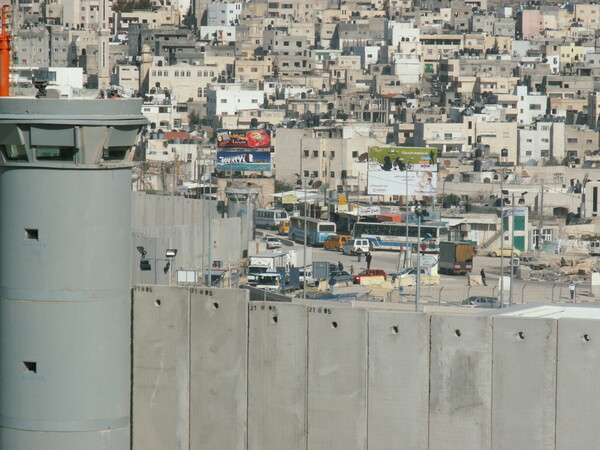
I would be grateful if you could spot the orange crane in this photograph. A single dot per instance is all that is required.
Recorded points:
(5, 38)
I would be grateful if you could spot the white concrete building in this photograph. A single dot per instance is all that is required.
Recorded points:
(223, 14)
(218, 33)
(184, 81)
(164, 114)
(56, 76)
(397, 33)
(407, 67)
(127, 76)
(530, 106)
(229, 98)
(543, 142)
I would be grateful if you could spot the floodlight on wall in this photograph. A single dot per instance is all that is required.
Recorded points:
(171, 253)
(141, 250)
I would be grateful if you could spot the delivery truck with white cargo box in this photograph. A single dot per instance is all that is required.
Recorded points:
(265, 262)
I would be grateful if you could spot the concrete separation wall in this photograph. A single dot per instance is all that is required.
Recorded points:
(461, 383)
(398, 387)
(524, 388)
(277, 357)
(218, 368)
(337, 378)
(213, 370)
(578, 375)
(160, 361)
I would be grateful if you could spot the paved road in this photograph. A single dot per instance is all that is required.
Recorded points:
(453, 289)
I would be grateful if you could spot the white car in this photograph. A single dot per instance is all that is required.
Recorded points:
(272, 242)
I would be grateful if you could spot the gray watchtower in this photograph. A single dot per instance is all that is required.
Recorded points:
(65, 239)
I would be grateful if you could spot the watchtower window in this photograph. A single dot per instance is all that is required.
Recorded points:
(14, 152)
(54, 153)
(115, 153)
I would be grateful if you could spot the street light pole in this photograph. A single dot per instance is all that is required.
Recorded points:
(304, 251)
(418, 277)
(502, 237)
(512, 251)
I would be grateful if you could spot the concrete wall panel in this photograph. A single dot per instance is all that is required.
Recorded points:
(160, 405)
(524, 389)
(460, 382)
(398, 380)
(218, 393)
(578, 378)
(337, 371)
(277, 347)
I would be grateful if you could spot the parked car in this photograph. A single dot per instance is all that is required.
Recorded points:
(272, 242)
(354, 246)
(480, 301)
(507, 252)
(341, 276)
(368, 273)
(533, 263)
(336, 241)
(408, 272)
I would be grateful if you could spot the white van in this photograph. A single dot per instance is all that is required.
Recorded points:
(354, 246)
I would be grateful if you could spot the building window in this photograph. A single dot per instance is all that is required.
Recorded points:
(332, 174)
(315, 153)
(571, 140)
(306, 153)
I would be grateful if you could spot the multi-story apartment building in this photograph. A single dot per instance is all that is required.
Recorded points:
(229, 98)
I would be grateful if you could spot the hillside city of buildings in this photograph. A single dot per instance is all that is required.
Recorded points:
(507, 92)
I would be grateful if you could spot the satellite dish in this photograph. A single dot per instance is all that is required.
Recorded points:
(324, 187)
(317, 184)
(205, 177)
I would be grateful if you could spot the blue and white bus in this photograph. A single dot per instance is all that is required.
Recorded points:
(317, 230)
(269, 218)
(392, 235)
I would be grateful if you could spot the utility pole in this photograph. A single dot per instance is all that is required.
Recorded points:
(502, 237)
(540, 218)
(209, 225)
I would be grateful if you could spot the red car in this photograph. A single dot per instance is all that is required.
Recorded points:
(369, 273)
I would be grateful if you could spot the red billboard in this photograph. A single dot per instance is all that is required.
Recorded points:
(243, 139)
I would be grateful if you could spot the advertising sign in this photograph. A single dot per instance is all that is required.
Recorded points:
(518, 212)
(402, 171)
(369, 210)
(288, 198)
(241, 160)
(243, 139)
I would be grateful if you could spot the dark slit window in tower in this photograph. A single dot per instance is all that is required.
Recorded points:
(31, 234)
(30, 366)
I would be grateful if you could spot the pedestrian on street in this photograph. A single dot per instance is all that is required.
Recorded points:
(483, 277)
(331, 285)
(351, 270)
(359, 254)
(369, 257)
(572, 290)
(340, 266)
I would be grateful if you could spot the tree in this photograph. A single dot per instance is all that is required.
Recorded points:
(450, 200)
(282, 186)
(193, 118)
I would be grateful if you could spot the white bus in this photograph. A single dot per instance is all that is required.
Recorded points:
(269, 218)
